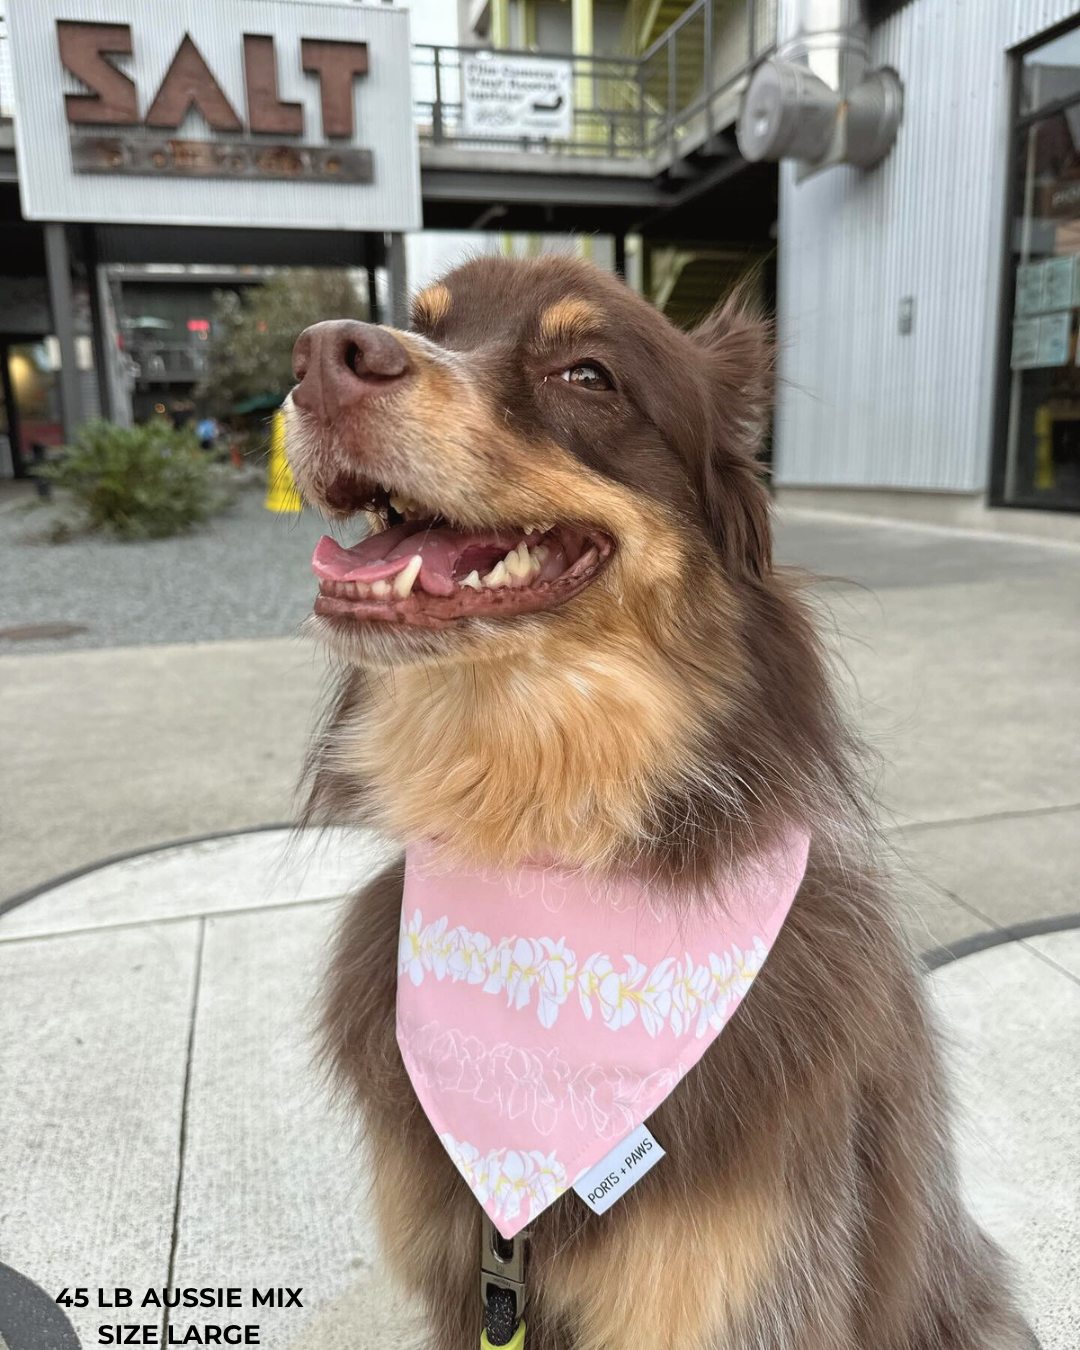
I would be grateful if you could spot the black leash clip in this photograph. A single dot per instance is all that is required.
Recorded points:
(502, 1286)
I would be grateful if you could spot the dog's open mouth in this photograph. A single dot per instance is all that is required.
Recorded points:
(415, 567)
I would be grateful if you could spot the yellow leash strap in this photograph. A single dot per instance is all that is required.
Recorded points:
(516, 1342)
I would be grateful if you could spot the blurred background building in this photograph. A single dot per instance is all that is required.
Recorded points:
(925, 279)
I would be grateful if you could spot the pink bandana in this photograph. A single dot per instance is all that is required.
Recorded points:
(542, 1015)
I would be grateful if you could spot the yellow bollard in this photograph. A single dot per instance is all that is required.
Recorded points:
(281, 493)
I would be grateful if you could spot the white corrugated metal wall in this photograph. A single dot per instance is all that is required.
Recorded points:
(860, 404)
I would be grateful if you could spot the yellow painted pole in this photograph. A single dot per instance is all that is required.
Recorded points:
(500, 23)
(581, 23)
(499, 32)
(528, 19)
(582, 34)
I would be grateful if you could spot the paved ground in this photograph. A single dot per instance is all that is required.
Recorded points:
(243, 575)
(961, 653)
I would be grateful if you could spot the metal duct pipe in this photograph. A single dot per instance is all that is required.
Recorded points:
(817, 101)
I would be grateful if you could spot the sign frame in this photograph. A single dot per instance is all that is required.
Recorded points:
(510, 97)
(320, 179)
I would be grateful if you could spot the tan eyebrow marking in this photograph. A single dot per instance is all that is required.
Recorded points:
(431, 306)
(568, 321)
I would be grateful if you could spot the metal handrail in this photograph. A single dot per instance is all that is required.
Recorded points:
(608, 124)
(526, 55)
(165, 361)
(627, 116)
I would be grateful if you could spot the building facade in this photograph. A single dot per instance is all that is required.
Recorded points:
(928, 307)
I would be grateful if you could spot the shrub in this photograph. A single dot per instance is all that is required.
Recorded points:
(141, 482)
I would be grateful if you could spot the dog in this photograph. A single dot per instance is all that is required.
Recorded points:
(642, 694)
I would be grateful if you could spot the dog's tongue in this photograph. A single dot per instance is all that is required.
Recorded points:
(387, 553)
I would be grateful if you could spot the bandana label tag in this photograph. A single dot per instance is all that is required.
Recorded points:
(623, 1167)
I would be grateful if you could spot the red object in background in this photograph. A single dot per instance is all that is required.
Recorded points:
(41, 433)
(198, 325)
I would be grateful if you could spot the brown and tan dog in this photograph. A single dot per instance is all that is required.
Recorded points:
(601, 665)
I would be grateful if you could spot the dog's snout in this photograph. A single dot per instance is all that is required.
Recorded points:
(341, 363)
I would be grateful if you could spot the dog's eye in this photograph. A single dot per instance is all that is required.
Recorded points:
(587, 377)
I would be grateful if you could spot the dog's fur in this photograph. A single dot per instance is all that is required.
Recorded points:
(667, 720)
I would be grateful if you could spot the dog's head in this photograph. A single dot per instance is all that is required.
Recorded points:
(582, 647)
(541, 444)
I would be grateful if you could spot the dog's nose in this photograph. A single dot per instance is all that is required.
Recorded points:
(341, 363)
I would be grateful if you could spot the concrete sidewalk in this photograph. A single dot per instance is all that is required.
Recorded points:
(961, 654)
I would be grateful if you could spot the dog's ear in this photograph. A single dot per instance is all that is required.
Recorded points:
(736, 341)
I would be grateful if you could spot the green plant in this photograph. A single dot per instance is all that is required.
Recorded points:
(141, 482)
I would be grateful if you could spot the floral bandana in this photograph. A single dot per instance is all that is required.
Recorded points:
(542, 1015)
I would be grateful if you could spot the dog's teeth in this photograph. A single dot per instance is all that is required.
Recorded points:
(473, 580)
(498, 576)
(540, 553)
(517, 561)
(403, 582)
(380, 589)
(405, 506)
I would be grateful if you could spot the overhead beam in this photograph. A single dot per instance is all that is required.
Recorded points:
(456, 185)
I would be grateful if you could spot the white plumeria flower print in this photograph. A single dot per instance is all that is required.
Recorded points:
(410, 959)
(654, 997)
(686, 995)
(437, 948)
(506, 1178)
(469, 960)
(595, 969)
(556, 980)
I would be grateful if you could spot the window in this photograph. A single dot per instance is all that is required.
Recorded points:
(1041, 431)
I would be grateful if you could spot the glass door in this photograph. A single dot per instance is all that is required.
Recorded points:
(1042, 432)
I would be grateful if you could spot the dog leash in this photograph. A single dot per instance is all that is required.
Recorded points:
(502, 1288)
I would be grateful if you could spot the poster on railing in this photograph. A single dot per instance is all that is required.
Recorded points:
(516, 96)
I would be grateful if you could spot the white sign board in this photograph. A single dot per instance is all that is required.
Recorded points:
(510, 97)
(253, 113)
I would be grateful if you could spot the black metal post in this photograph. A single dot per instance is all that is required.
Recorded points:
(620, 254)
(436, 112)
(398, 280)
(58, 269)
(374, 314)
(97, 323)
